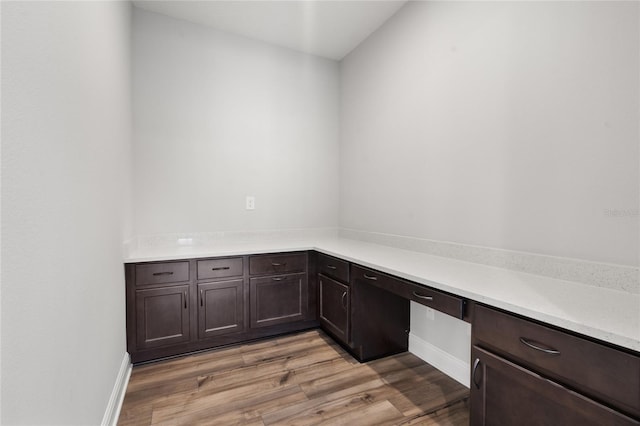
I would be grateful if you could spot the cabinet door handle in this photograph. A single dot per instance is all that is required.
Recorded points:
(201, 299)
(419, 296)
(476, 363)
(344, 294)
(220, 268)
(370, 277)
(185, 300)
(331, 267)
(277, 278)
(155, 274)
(529, 343)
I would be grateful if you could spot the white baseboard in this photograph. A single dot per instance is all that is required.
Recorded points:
(117, 394)
(443, 361)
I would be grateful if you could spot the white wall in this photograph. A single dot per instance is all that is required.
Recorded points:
(510, 124)
(66, 128)
(441, 340)
(218, 117)
(507, 125)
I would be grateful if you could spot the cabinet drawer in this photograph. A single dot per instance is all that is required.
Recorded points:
(277, 263)
(604, 373)
(332, 267)
(160, 273)
(219, 268)
(434, 299)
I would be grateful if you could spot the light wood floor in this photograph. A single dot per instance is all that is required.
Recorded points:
(299, 379)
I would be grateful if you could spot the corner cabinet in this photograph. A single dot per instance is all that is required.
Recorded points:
(527, 373)
(177, 307)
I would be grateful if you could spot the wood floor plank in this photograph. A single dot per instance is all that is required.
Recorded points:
(332, 407)
(334, 382)
(139, 415)
(152, 379)
(455, 414)
(147, 395)
(426, 391)
(317, 407)
(297, 379)
(236, 403)
(383, 412)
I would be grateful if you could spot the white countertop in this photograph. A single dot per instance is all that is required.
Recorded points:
(609, 315)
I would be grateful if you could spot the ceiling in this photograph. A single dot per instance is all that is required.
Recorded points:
(327, 28)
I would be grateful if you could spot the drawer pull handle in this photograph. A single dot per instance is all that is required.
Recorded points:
(155, 274)
(538, 348)
(419, 296)
(275, 264)
(370, 277)
(185, 300)
(201, 299)
(331, 267)
(220, 268)
(476, 363)
(344, 294)
(277, 278)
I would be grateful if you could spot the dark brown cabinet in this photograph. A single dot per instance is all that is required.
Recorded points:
(524, 372)
(334, 299)
(528, 373)
(220, 308)
(277, 264)
(162, 316)
(279, 289)
(379, 317)
(504, 393)
(366, 318)
(278, 299)
(332, 267)
(177, 307)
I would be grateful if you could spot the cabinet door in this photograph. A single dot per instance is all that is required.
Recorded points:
(162, 316)
(334, 307)
(220, 308)
(278, 299)
(503, 393)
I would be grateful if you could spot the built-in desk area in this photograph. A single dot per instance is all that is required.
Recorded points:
(540, 346)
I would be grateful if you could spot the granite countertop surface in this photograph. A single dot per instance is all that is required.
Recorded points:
(609, 315)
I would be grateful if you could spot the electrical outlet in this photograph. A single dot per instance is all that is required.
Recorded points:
(250, 202)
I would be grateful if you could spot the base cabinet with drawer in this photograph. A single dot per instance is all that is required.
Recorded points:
(526, 373)
(177, 307)
(279, 290)
(334, 297)
(379, 316)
